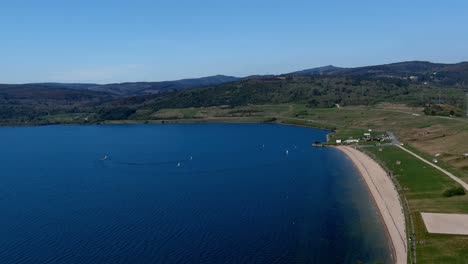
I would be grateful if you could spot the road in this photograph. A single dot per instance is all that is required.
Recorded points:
(395, 140)
(455, 178)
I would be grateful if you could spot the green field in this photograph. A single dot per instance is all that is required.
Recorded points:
(423, 187)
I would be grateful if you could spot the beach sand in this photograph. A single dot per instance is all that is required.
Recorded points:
(386, 198)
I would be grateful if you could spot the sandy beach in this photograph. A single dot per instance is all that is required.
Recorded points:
(386, 198)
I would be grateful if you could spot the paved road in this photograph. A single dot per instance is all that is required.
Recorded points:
(395, 140)
(455, 178)
(398, 144)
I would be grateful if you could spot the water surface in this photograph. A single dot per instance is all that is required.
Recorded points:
(191, 193)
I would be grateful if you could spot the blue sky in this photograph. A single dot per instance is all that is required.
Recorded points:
(114, 41)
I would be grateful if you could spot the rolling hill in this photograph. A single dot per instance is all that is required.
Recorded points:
(42, 92)
(122, 89)
(438, 73)
(440, 88)
(145, 88)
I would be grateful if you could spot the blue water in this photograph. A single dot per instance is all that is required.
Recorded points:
(235, 197)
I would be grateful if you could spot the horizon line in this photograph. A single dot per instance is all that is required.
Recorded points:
(228, 75)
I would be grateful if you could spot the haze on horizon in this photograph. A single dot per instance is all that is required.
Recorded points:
(117, 41)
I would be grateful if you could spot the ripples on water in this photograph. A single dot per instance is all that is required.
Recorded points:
(235, 197)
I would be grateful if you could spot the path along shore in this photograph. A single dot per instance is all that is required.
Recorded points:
(386, 198)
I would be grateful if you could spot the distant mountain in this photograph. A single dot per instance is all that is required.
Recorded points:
(409, 67)
(418, 72)
(48, 92)
(118, 89)
(416, 83)
(65, 85)
(445, 74)
(315, 71)
(146, 88)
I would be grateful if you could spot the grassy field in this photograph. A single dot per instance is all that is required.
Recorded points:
(68, 118)
(459, 172)
(423, 187)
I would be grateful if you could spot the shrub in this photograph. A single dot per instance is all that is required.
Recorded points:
(454, 191)
(117, 113)
(301, 113)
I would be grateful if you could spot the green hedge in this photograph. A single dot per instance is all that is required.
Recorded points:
(454, 191)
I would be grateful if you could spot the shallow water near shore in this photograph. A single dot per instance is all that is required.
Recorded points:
(183, 193)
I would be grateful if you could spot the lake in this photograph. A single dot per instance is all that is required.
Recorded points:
(182, 193)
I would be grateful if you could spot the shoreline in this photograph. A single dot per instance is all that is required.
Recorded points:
(234, 120)
(386, 199)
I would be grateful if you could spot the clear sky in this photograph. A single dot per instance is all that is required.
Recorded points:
(113, 41)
